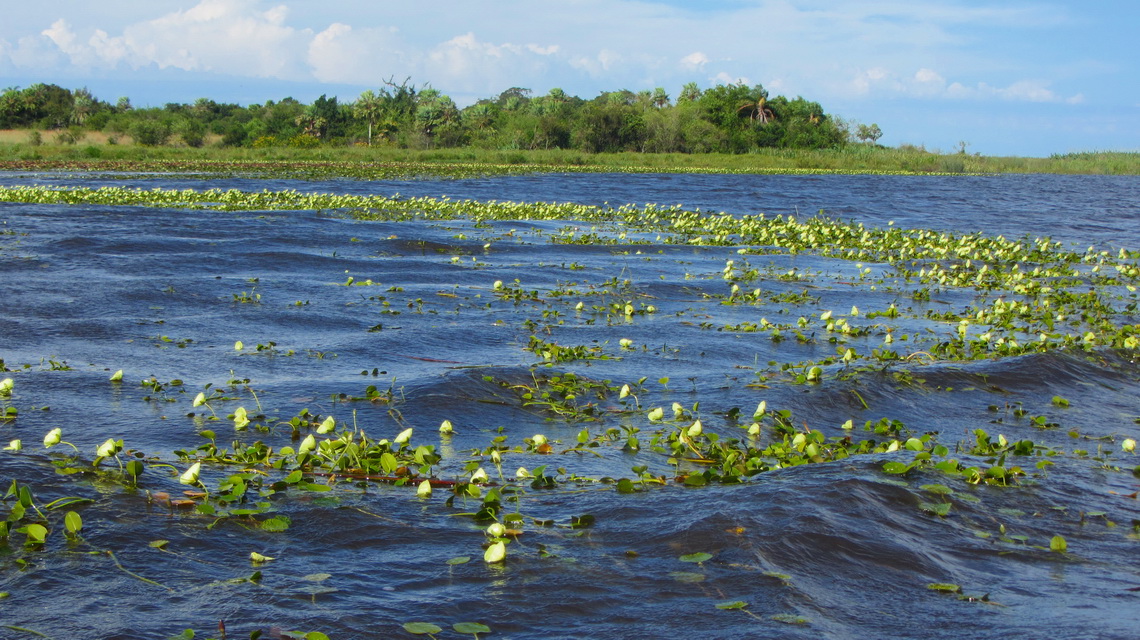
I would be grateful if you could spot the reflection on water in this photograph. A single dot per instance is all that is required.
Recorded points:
(839, 549)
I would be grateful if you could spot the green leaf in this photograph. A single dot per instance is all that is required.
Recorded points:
(37, 533)
(738, 604)
(937, 508)
(937, 489)
(421, 628)
(158, 544)
(625, 485)
(73, 522)
(1058, 544)
(470, 627)
(896, 468)
(945, 587)
(275, 524)
(698, 557)
(1058, 401)
(459, 560)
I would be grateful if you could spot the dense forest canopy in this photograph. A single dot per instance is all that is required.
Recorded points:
(733, 118)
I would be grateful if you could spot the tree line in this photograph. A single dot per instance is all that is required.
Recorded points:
(732, 118)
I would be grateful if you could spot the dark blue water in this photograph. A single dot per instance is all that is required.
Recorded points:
(837, 550)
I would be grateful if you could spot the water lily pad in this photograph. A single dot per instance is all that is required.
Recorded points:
(470, 627)
(421, 628)
(698, 557)
(735, 604)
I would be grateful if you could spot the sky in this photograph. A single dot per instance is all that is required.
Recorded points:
(1028, 78)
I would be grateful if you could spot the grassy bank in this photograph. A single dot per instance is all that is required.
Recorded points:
(97, 152)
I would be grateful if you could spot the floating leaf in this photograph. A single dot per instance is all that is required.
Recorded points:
(945, 587)
(788, 618)
(737, 604)
(459, 560)
(688, 577)
(698, 557)
(158, 544)
(73, 522)
(422, 628)
(275, 524)
(936, 508)
(1058, 544)
(258, 558)
(470, 627)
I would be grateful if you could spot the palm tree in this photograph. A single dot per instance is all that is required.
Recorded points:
(369, 107)
(757, 107)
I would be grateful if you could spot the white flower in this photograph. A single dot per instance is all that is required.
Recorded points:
(200, 399)
(307, 445)
(761, 409)
(107, 449)
(656, 414)
(538, 439)
(497, 530)
(53, 437)
(624, 393)
(191, 474)
(495, 553)
(241, 418)
(6, 386)
(678, 410)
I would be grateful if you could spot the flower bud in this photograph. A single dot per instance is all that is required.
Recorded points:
(191, 475)
(53, 437)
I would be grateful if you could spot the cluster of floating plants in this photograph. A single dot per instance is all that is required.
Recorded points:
(998, 298)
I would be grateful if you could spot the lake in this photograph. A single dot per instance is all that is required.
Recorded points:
(387, 325)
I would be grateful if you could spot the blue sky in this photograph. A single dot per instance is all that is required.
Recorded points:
(1008, 78)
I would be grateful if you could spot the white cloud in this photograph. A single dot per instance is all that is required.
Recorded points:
(695, 61)
(845, 49)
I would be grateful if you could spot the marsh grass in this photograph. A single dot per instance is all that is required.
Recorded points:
(99, 151)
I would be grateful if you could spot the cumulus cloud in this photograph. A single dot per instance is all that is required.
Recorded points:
(695, 61)
(836, 49)
(928, 83)
(231, 36)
